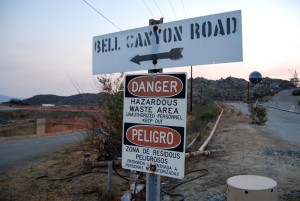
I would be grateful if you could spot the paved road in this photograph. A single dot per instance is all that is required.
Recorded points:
(285, 101)
(8, 108)
(243, 107)
(284, 124)
(18, 152)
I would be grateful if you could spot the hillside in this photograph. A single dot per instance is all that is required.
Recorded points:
(78, 99)
(236, 89)
(4, 98)
(229, 89)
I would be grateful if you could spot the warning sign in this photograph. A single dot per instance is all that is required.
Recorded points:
(154, 124)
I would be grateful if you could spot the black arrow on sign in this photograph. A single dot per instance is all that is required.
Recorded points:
(174, 54)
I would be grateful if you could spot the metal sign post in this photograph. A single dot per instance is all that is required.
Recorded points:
(152, 187)
(153, 180)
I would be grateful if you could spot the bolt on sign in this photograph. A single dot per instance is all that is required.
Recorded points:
(154, 123)
(202, 40)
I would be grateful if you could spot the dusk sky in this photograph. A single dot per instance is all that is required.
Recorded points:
(46, 45)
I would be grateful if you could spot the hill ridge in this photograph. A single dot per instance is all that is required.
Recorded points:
(228, 89)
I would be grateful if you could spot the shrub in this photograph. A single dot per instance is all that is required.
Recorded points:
(258, 113)
(207, 115)
(210, 112)
(201, 115)
(296, 92)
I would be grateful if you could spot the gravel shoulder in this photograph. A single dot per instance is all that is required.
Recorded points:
(243, 149)
(247, 149)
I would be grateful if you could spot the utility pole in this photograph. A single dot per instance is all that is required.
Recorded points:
(248, 97)
(191, 88)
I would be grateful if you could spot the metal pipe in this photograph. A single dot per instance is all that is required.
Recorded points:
(90, 164)
(212, 132)
(197, 153)
(189, 146)
(203, 153)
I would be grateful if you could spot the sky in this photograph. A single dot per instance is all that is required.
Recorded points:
(46, 45)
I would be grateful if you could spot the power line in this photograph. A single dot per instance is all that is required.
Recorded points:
(149, 9)
(102, 15)
(183, 9)
(158, 8)
(173, 10)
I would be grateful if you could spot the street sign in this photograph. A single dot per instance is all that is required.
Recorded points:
(154, 123)
(197, 41)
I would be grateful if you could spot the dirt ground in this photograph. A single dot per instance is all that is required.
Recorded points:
(242, 148)
(245, 149)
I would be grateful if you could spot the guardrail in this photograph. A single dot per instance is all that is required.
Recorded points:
(292, 110)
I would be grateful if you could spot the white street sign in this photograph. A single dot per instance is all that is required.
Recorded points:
(154, 124)
(197, 41)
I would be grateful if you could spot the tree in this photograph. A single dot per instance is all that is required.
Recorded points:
(104, 134)
(17, 102)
